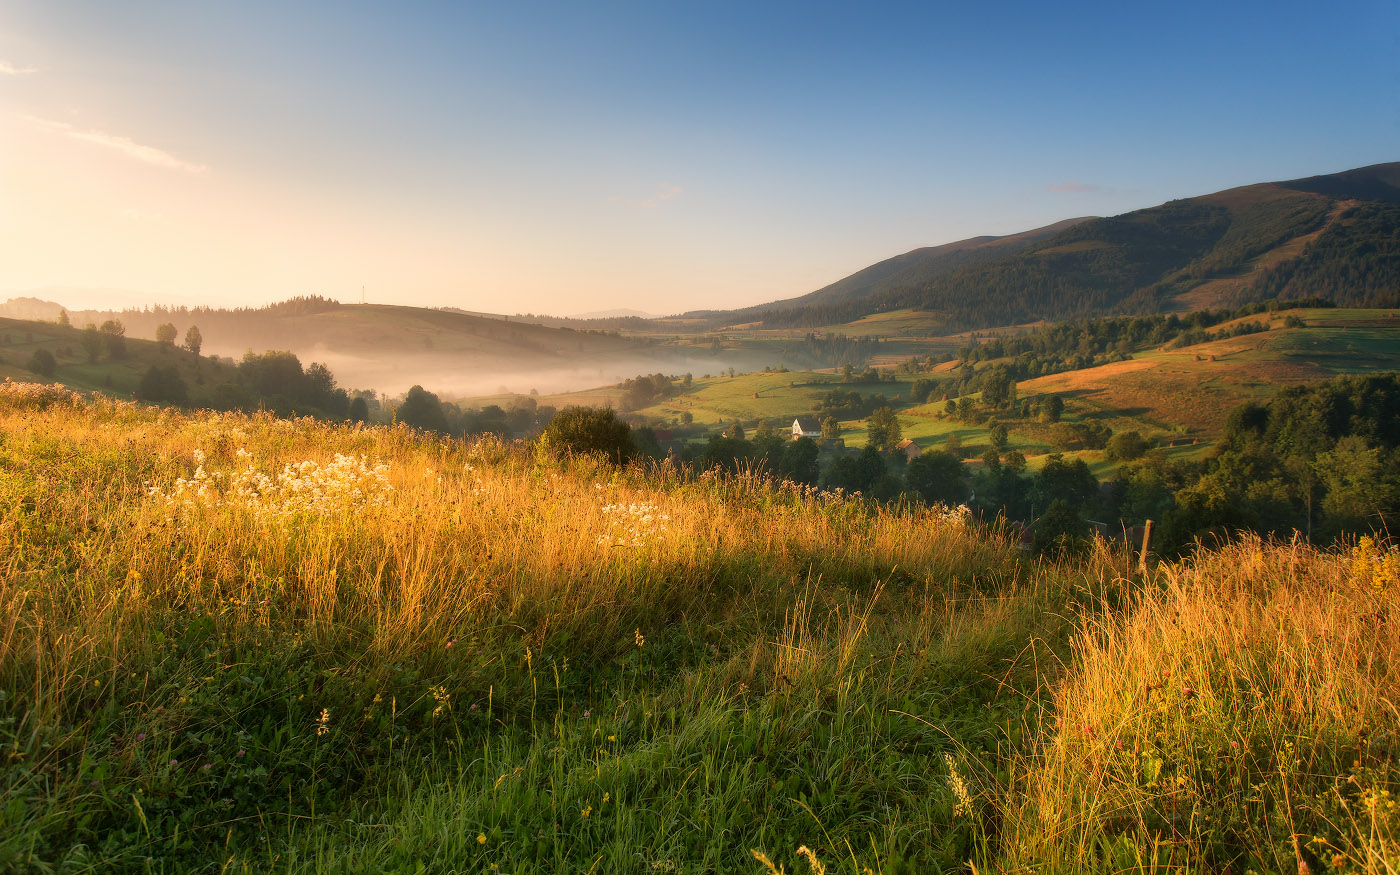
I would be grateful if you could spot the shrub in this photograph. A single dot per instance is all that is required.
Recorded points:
(43, 363)
(590, 430)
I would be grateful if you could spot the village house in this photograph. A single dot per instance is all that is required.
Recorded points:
(910, 449)
(806, 426)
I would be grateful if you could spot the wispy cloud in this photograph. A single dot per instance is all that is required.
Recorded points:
(8, 69)
(1078, 187)
(665, 192)
(124, 145)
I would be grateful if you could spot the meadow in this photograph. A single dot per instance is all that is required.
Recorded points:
(239, 643)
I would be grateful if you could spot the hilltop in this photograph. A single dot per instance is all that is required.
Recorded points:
(1331, 236)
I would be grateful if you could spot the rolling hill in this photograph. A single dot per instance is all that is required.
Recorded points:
(1335, 237)
(390, 348)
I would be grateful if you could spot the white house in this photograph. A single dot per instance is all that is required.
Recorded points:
(806, 426)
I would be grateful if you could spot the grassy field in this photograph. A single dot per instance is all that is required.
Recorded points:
(237, 643)
(1195, 387)
(113, 377)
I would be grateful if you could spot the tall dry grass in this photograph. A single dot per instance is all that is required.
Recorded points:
(1241, 715)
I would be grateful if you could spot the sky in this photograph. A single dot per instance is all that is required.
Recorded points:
(524, 157)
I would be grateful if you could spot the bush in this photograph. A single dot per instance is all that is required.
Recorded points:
(162, 386)
(1125, 447)
(43, 363)
(590, 430)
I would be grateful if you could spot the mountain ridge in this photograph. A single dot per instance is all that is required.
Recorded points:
(1143, 261)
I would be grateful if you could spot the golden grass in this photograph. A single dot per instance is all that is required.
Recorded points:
(1253, 694)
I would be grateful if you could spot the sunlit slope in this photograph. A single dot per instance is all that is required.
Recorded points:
(19, 339)
(1196, 387)
(1330, 236)
(235, 643)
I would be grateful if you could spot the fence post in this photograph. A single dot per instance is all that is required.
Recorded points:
(1146, 542)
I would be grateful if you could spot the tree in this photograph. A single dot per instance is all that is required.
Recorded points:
(1060, 530)
(422, 409)
(272, 373)
(589, 430)
(1070, 482)
(883, 429)
(114, 338)
(166, 333)
(1360, 485)
(831, 428)
(1125, 447)
(799, 461)
(998, 387)
(63, 318)
(92, 342)
(43, 363)
(998, 437)
(937, 477)
(194, 341)
(1051, 408)
(162, 386)
(737, 431)
(359, 409)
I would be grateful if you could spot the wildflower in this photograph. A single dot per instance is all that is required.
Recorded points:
(94, 784)
(207, 766)
(587, 714)
(241, 752)
(140, 736)
(323, 722)
(607, 797)
(174, 763)
(963, 806)
(441, 697)
(481, 838)
(586, 810)
(639, 637)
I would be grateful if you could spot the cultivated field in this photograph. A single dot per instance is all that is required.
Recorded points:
(237, 643)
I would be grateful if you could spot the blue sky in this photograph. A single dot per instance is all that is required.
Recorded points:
(531, 157)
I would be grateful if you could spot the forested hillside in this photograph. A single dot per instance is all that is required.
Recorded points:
(1346, 229)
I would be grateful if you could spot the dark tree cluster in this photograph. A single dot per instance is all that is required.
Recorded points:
(276, 379)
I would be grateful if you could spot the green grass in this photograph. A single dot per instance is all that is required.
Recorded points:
(405, 653)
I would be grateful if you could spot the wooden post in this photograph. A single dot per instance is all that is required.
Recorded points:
(1146, 542)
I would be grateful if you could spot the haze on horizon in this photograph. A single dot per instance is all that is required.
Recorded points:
(559, 158)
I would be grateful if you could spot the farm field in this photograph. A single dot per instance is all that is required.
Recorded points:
(1195, 387)
(1177, 398)
(235, 643)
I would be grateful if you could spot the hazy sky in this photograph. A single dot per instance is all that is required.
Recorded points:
(575, 156)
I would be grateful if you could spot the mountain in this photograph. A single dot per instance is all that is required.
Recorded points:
(390, 348)
(1335, 237)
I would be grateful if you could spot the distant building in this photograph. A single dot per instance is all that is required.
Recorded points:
(908, 448)
(806, 426)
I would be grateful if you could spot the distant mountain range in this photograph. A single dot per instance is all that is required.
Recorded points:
(1335, 237)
